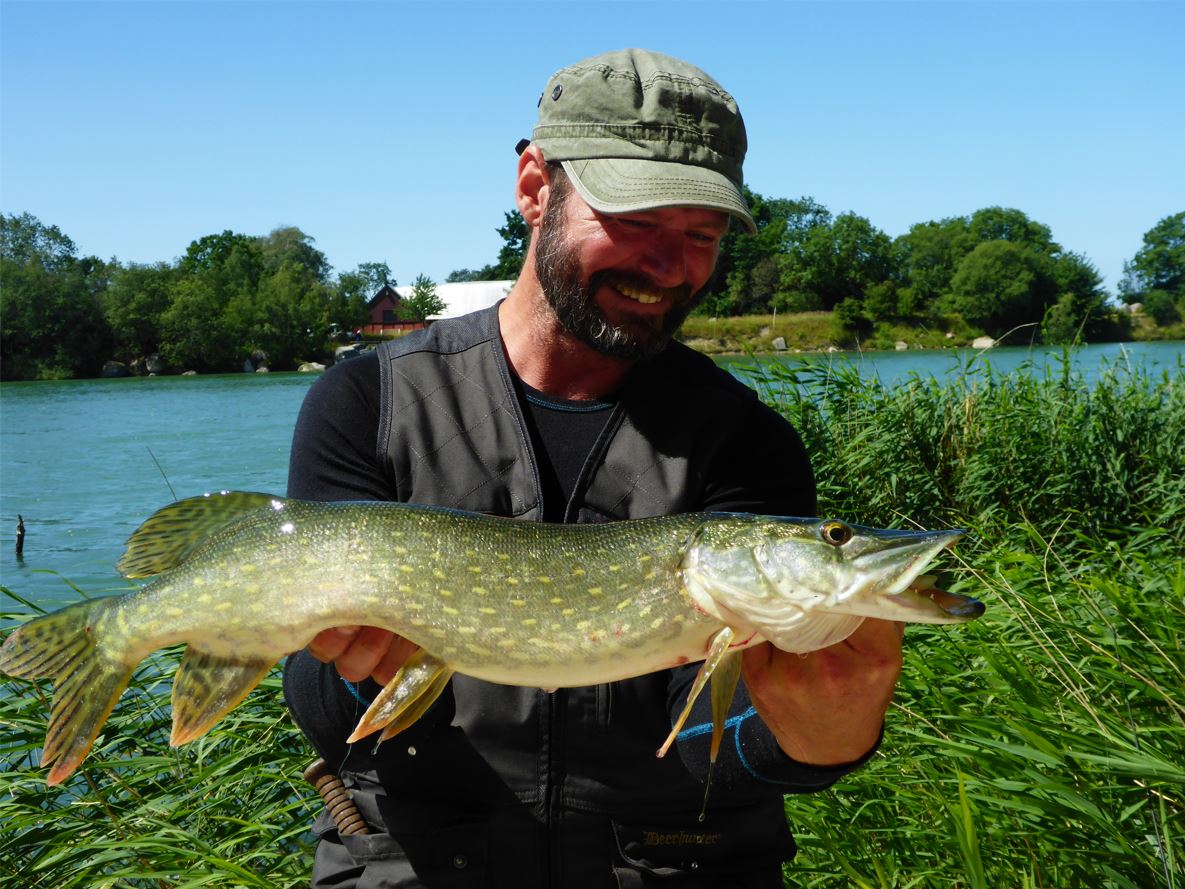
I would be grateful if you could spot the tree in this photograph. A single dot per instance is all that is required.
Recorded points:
(927, 257)
(1001, 285)
(1007, 224)
(1159, 264)
(516, 236)
(423, 301)
(288, 244)
(354, 290)
(458, 276)
(51, 325)
(836, 262)
(133, 306)
(748, 269)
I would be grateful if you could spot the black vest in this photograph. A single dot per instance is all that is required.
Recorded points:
(542, 787)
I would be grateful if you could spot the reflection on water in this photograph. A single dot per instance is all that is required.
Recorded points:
(78, 459)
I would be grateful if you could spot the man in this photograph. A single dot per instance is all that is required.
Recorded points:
(569, 402)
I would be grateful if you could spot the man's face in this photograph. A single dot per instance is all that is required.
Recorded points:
(622, 284)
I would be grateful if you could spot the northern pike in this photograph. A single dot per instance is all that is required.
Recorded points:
(245, 578)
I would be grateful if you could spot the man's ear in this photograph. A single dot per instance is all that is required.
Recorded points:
(532, 186)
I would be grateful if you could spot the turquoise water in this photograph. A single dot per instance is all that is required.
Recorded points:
(78, 459)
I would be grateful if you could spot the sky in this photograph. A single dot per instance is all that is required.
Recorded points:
(386, 130)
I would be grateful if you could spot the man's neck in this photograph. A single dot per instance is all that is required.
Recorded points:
(548, 358)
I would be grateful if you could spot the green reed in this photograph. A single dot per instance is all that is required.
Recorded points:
(1043, 745)
(1040, 746)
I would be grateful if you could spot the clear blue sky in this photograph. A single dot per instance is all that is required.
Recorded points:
(386, 129)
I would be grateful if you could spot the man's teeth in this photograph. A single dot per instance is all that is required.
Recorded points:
(640, 295)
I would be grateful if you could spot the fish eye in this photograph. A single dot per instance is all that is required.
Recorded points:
(836, 533)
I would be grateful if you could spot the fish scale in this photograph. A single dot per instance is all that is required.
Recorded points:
(245, 578)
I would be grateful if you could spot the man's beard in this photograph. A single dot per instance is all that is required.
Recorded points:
(631, 339)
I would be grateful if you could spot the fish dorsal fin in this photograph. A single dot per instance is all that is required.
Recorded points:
(171, 534)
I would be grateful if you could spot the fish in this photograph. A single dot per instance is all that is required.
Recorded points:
(245, 578)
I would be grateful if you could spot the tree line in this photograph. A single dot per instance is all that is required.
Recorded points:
(228, 298)
(231, 296)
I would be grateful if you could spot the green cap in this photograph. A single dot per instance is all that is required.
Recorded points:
(636, 130)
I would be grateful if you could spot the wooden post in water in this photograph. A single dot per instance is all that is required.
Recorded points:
(20, 536)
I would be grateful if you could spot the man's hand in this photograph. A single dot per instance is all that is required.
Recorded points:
(827, 707)
(359, 652)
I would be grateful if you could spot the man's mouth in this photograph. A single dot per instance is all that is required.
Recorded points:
(643, 296)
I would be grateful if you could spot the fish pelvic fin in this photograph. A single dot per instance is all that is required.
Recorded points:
(207, 687)
(717, 649)
(87, 680)
(175, 532)
(405, 698)
(724, 685)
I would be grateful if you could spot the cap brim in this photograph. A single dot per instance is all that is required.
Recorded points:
(629, 185)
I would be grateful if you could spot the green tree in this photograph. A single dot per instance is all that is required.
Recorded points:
(748, 270)
(1007, 224)
(133, 306)
(51, 325)
(423, 301)
(458, 276)
(1001, 285)
(835, 263)
(1159, 264)
(927, 257)
(288, 244)
(1081, 312)
(196, 331)
(516, 236)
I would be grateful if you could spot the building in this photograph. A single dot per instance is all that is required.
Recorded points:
(459, 299)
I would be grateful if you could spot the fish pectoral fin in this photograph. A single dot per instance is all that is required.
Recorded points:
(207, 687)
(405, 698)
(717, 649)
(173, 533)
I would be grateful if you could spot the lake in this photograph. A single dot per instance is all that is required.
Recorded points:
(85, 461)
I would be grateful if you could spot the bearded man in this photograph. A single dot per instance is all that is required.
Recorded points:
(570, 402)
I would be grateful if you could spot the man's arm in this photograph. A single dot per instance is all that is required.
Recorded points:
(825, 708)
(335, 457)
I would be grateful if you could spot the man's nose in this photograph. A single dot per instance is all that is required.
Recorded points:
(664, 260)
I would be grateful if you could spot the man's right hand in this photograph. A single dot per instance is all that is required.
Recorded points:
(359, 652)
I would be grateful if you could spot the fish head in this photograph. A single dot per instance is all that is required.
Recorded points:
(780, 576)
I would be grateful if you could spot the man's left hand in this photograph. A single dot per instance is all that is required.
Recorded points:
(827, 707)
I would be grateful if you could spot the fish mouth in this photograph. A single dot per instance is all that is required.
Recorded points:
(889, 583)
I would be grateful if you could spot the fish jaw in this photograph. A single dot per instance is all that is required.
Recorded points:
(791, 580)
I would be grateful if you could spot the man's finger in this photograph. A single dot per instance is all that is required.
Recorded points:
(328, 645)
(363, 655)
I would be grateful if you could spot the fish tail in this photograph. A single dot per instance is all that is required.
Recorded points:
(87, 681)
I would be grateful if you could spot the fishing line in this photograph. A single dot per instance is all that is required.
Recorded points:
(161, 471)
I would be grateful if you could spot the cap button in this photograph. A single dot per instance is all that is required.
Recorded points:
(557, 92)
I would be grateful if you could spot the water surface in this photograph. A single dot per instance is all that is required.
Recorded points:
(78, 459)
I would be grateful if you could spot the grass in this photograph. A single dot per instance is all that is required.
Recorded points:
(1041, 746)
(815, 332)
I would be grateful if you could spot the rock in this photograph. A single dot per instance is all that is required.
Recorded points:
(113, 369)
(310, 367)
(833, 348)
(779, 344)
(262, 370)
(950, 334)
(188, 373)
(901, 345)
(983, 342)
(153, 364)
